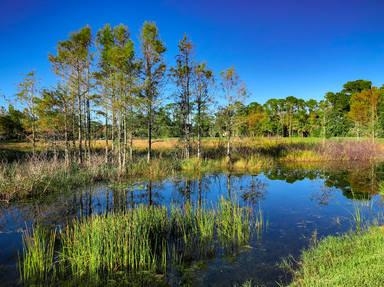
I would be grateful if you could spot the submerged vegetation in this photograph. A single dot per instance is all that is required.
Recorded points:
(143, 239)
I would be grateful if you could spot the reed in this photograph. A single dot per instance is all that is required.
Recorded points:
(233, 226)
(38, 254)
(260, 222)
(143, 239)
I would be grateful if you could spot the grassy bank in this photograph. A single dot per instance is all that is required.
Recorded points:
(34, 176)
(355, 259)
(40, 175)
(144, 239)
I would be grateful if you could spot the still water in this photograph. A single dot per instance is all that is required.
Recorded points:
(298, 204)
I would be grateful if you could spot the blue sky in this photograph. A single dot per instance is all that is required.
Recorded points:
(279, 47)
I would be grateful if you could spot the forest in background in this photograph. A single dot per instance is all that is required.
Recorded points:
(106, 90)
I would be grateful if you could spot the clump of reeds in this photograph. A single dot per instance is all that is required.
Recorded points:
(129, 241)
(140, 239)
(233, 226)
(260, 221)
(38, 254)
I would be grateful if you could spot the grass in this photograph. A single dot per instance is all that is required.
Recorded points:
(354, 259)
(41, 174)
(38, 247)
(143, 239)
(233, 223)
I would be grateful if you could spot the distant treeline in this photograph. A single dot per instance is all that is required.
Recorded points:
(107, 89)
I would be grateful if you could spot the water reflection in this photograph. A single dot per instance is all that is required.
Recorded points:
(296, 199)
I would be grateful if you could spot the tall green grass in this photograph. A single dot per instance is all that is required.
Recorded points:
(38, 254)
(233, 226)
(143, 239)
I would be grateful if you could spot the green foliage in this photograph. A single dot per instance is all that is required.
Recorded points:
(11, 123)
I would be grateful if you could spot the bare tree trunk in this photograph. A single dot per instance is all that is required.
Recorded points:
(54, 149)
(373, 122)
(199, 130)
(229, 147)
(106, 135)
(80, 130)
(33, 137)
(125, 142)
(113, 128)
(88, 130)
(149, 152)
(66, 147)
(119, 142)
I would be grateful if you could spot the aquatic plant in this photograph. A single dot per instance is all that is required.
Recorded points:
(233, 226)
(260, 222)
(38, 254)
(141, 239)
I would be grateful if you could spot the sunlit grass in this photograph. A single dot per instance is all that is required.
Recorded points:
(143, 239)
(354, 259)
(233, 226)
(41, 174)
(38, 254)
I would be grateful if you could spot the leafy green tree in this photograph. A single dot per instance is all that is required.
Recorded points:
(353, 87)
(256, 117)
(11, 123)
(364, 110)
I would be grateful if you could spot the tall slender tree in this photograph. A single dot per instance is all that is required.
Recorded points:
(153, 70)
(204, 80)
(27, 95)
(73, 63)
(182, 75)
(235, 92)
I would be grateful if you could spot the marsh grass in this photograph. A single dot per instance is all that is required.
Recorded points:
(233, 226)
(358, 218)
(38, 254)
(260, 222)
(143, 239)
(41, 174)
(354, 259)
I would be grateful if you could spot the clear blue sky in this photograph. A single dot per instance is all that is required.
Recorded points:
(280, 47)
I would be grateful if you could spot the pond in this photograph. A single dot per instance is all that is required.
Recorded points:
(299, 204)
